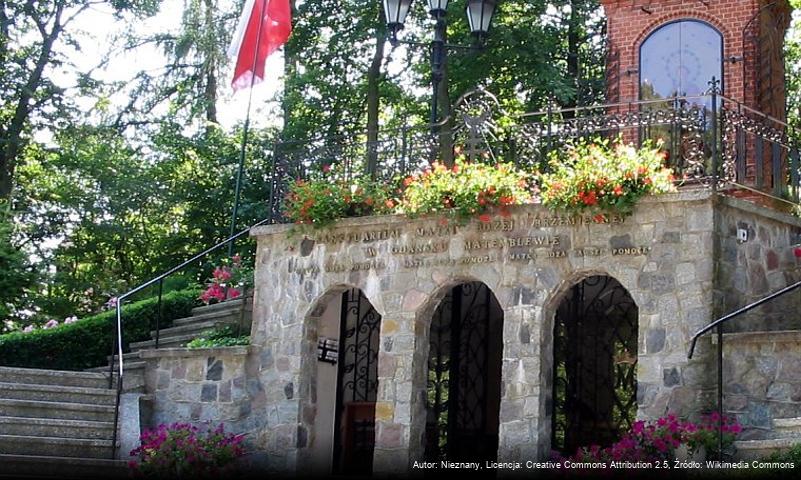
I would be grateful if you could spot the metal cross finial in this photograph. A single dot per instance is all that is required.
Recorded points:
(714, 87)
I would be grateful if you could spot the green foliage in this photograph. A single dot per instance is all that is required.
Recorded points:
(320, 201)
(87, 342)
(16, 273)
(597, 177)
(793, 455)
(465, 190)
(225, 336)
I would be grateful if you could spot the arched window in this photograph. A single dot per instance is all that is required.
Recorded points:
(680, 58)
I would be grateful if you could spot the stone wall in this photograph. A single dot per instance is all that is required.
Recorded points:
(762, 374)
(663, 256)
(764, 263)
(205, 385)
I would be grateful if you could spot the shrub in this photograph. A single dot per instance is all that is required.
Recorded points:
(465, 190)
(658, 440)
(85, 344)
(594, 177)
(225, 336)
(180, 450)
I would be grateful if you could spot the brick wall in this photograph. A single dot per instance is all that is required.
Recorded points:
(753, 34)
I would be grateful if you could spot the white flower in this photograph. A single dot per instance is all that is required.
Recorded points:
(71, 319)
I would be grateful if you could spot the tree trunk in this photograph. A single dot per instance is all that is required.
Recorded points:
(12, 135)
(210, 64)
(373, 100)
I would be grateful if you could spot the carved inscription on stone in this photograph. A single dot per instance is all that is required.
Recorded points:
(427, 246)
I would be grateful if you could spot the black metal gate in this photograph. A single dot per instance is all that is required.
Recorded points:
(464, 375)
(357, 385)
(595, 365)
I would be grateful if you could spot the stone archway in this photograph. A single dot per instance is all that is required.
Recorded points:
(346, 384)
(594, 380)
(463, 390)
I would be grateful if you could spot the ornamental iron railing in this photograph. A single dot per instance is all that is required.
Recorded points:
(709, 140)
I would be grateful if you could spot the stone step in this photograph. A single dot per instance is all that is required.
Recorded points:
(34, 466)
(57, 393)
(164, 342)
(787, 427)
(56, 446)
(49, 427)
(53, 377)
(197, 328)
(756, 449)
(228, 316)
(127, 365)
(56, 410)
(234, 304)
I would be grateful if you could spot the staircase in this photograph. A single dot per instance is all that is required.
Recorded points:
(56, 424)
(786, 433)
(182, 331)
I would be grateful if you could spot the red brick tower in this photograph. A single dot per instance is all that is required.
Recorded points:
(663, 48)
(752, 34)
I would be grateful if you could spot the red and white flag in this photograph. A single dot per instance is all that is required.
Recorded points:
(264, 26)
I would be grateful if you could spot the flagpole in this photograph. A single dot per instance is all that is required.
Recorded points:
(245, 132)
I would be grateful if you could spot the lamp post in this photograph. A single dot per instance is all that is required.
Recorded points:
(479, 17)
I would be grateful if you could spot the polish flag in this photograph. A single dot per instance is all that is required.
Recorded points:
(264, 26)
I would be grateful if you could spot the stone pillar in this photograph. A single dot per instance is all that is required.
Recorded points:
(394, 439)
(522, 402)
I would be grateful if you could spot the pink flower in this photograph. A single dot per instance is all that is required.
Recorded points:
(638, 427)
(222, 274)
(236, 259)
(51, 324)
(234, 293)
(28, 329)
(71, 319)
(797, 252)
(112, 302)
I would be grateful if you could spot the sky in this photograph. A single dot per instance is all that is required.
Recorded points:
(99, 26)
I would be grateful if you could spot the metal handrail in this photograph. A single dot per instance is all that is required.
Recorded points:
(718, 324)
(117, 338)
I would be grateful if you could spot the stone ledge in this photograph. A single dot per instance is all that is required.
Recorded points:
(684, 195)
(759, 210)
(194, 352)
(776, 336)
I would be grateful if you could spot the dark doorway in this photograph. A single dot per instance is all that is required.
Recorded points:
(357, 385)
(595, 365)
(464, 375)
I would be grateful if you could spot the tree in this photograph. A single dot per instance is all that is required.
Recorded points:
(30, 100)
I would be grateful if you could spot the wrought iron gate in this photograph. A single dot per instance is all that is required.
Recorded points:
(357, 385)
(595, 365)
(463, 390)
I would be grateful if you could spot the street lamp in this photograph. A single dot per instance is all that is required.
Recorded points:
(479, 18)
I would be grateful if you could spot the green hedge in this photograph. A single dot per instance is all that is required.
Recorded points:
(87, 343)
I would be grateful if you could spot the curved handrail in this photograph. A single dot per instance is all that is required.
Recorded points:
(737, 313)
(117, 350)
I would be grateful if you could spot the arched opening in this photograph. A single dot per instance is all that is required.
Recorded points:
(679, 59)
(463, 389)
(595, 365)
(347, 385)
(677, 64)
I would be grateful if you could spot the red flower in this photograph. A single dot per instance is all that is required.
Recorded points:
(506, 200)
(455, 169)
(408, 181)
(590, 198)
(648, 181)
(326, 168)
(485, 218)
(368, 201)
(618, 190)
(600, 183)
(642, 170)
(797, 252)
(389, 204)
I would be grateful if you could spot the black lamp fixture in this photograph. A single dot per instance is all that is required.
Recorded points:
(479, 18)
